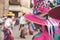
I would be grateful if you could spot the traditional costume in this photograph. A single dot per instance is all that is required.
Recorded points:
(23, 27)
(7, 28)
(52, 24)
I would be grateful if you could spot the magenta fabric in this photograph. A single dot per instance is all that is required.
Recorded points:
(55, 13)
(40, 8)
(46, 10)
(58, 31)
(34, 19)
(43, 9)
(36, 2)
(43, 36)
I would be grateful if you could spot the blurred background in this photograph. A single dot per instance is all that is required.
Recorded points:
(18, 7)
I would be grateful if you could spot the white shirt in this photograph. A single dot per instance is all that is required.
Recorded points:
(53, 22)
(8, 22)
(22, 20)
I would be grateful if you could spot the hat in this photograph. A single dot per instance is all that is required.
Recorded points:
(55, 13)
(10, 14)
(31, 17)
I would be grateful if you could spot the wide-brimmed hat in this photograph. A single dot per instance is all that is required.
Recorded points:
(33, 18)
(10, 14)
(55, 13)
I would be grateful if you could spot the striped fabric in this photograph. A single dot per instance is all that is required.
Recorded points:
(52, 25)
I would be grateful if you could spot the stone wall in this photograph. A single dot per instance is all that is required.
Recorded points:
(4, 5)
(1, 8)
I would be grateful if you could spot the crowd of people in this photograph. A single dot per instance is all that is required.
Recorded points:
(25, 27)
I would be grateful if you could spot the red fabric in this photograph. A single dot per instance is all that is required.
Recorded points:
(10, 37)
(55, 13)
(40, 8)
(31, 32)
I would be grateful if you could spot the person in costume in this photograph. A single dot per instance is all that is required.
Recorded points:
(31, 28)
(23, 26)
(7, 28)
